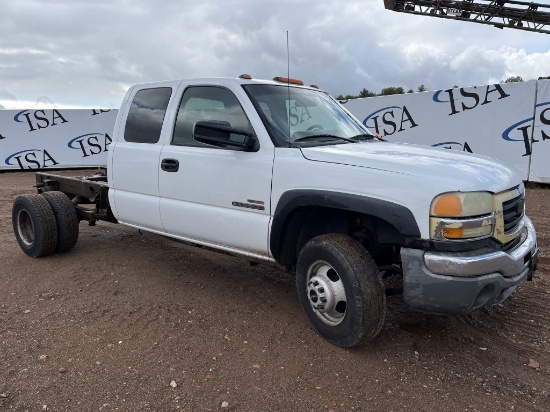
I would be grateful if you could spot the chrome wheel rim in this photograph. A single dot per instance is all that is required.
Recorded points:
(326, 293)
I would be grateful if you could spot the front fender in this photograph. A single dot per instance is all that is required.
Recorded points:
(394, 214)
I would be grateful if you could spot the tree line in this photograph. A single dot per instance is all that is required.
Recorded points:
(387, 91)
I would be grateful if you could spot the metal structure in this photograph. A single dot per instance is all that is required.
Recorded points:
(499, 13)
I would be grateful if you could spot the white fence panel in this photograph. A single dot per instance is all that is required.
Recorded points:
(540, 159)
(509, 122)
(492, 120)
(55, 138)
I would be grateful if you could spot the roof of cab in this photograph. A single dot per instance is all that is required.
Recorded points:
(221, 81)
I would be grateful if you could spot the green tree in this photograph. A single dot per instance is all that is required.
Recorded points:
(392, 90)
(366, 93)
(513, 79)
(422, 88)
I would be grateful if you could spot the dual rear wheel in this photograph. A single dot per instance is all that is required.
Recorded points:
(44, 223)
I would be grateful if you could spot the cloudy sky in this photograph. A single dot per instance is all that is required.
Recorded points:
(86, 53)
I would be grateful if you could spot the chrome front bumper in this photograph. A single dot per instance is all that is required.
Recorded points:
(462, 282)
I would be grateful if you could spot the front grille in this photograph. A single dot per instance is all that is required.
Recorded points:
(512, 211)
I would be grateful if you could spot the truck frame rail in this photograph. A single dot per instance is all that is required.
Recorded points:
(82, 190)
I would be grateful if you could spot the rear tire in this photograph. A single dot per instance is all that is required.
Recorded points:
(67, 220)
(341, 290)
(34, 225)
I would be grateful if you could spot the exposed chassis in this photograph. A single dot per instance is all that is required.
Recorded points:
(82, 190)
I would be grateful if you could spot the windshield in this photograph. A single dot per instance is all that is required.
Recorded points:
(302, 117)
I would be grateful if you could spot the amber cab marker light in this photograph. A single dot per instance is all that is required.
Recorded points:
(245, 76)
(287, 80)
(314, 86)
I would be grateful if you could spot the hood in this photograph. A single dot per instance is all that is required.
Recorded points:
(441, 167)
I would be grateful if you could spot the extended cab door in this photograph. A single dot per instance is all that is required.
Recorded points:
(212, 195)
(134, 167)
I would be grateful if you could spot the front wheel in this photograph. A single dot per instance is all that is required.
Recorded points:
(340, 289)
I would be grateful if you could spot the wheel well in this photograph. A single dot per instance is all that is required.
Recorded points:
(304, 223)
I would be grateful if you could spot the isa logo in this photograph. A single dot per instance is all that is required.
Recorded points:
(95, 112)
(31, 159)
(461, 100)
(524, 130)
(91, 144)
(390, 120)
(39, 119)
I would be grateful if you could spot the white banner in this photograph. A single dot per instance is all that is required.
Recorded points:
(540, 160)
(55, 138)
(492, 120)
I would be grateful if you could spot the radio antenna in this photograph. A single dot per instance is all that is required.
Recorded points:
(288, 81)
(287, 58)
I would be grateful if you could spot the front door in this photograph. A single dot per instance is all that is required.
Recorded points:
(212, 195)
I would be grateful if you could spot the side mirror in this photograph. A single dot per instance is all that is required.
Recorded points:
(218, 133)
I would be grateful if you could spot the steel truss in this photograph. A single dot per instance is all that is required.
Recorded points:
(512, 14)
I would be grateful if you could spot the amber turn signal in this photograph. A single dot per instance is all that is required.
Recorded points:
(453, 232)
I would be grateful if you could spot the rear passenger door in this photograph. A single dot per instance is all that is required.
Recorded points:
(217, 196)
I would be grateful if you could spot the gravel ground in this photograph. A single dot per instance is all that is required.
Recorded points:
(126, 322)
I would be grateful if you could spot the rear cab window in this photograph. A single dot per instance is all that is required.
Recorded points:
(146, 115)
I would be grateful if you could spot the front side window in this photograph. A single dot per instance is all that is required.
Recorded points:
(303, 117)
(146, 115)
(208, 103)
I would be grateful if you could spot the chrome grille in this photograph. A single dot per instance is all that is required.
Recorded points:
(512, 211)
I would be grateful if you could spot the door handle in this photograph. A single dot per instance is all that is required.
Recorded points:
(170, 165)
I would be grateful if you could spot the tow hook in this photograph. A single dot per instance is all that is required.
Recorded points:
(533, 265)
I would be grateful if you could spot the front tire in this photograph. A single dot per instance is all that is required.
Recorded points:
(34, 225)
(341, 290)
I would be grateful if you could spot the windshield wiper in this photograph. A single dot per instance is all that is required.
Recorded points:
(316, 136)
(364, 136)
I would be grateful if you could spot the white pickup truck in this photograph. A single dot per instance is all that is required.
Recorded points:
(274, 171)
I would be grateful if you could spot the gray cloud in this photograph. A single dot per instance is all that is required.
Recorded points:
(77, 52)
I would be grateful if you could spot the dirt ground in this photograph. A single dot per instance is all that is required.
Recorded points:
(125, 322)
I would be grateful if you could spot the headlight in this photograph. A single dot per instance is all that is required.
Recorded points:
(462, 215)
(462, 204)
